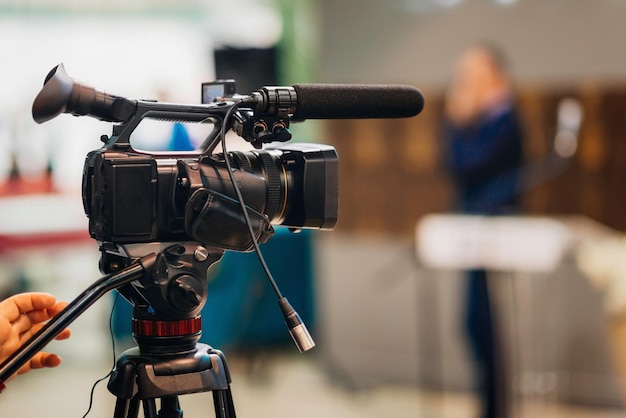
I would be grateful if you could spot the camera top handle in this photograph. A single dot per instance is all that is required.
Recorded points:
(62, 94)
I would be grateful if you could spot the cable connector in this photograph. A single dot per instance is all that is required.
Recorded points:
(297, 329)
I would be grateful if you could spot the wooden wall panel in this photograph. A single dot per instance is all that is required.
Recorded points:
(391, 173)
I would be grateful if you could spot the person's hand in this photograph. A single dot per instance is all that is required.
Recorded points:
(21, 316)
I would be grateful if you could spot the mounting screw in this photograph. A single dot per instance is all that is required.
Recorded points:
(201, 253)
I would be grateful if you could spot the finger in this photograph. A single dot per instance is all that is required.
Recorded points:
(64, 335)
(26, 332)
(49, 360)
(35, 300)
(32, 330)
(24, 321)
(38, 316)
(40, 361)
(57, 308)
(44, 359)
(21, 303)
(42, 315)
(23, 324)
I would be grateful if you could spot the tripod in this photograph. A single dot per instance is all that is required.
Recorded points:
(145, 377)
(168, 361)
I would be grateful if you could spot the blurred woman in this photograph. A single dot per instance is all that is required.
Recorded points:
(483, 144)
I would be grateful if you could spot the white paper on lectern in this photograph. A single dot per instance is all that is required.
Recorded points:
(503, 243)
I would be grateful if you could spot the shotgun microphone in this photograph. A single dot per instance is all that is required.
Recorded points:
(337, 101)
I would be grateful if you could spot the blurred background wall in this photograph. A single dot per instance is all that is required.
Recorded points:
(391, 176)
(555, 49)
(547, 42)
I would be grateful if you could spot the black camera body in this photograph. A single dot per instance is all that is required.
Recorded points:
(133, 197)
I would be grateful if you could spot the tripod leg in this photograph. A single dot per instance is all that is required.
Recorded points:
(170, 408)
(149, 408)
(126, 408)
(223, 403)
(229, 402)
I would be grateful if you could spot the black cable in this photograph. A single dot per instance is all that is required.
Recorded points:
(242, 203)
(93, 387)
(297, 329)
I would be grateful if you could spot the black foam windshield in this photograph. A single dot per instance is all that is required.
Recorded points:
(357, 101)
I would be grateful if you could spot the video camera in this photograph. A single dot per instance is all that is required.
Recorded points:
(189, 207)
(163, 217)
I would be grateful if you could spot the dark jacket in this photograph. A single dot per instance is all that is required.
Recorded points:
(484, 160)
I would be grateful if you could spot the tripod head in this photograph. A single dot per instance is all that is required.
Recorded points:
(168, 298)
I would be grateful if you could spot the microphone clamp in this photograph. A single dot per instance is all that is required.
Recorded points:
(277, 101)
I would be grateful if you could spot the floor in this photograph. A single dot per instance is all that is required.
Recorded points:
(273, 386)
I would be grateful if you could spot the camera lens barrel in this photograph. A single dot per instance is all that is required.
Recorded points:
(300, 183)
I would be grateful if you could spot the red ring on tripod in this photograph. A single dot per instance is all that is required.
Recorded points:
(146, 328)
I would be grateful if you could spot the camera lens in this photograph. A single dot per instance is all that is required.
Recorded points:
(294, 185)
